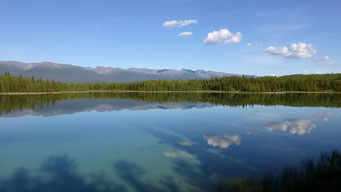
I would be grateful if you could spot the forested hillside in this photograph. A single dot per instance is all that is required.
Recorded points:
(325, 82)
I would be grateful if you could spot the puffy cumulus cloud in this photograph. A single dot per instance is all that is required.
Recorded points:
(222, 141)
(186, 33)
(298, 126)
(179, 23)
(299, 51)
(223, 35)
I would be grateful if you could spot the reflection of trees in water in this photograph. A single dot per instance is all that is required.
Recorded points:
(20, 102)
(321, 175)
(61, 175)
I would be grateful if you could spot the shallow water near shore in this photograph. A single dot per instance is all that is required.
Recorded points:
(163, 143)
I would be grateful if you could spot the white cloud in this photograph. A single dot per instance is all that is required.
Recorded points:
(179, 23)
(299, 51)
(299, 126)
(223, 35)
(186, 33)
(223, 141)
(325, 61)
(255, 44)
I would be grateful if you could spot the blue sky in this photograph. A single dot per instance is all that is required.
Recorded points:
(275, 37)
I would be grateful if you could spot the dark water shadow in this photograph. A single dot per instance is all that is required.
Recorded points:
(60, 174)
(57, 173)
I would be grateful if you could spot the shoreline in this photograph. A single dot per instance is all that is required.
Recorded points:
(124, 91)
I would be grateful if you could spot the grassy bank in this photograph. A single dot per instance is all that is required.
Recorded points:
(321, 175)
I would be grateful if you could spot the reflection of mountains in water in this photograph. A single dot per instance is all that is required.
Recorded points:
(109, 101)
(99, 105)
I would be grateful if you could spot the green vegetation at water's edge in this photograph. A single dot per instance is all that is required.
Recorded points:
(323, 175)
(20, 102)
(310, 83)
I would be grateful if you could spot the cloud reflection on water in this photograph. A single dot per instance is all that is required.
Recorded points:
(295, 126)
(179, 154)
(185, 143)
(298, 126)
(222, 141)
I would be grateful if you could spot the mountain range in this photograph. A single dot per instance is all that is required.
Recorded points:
(78, 74)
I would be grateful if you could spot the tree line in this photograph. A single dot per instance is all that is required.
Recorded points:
(323, 82)
(8, 103)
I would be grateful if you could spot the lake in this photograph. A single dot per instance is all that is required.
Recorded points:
(158, 141)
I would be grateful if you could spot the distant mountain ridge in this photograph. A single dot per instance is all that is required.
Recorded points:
(78, 74)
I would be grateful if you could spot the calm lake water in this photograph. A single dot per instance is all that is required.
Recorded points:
(161, 142)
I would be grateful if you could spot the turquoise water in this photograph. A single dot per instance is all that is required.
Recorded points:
(128, 145)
